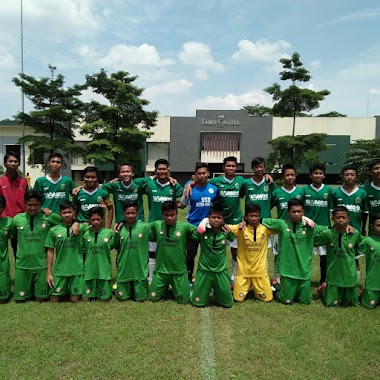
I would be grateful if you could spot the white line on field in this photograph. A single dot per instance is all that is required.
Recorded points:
(207, 354)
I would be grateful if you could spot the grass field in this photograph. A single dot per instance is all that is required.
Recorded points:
(168, 341)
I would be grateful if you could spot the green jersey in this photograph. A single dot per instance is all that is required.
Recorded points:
(280, 199)
(355, 202)
(68, 249)
(132, 259)
(31, 232)
(230, 192)
(260, 194)
(5, 229)
(342, 249)
(54, 192)
(213, 256)
(370, 247)
(159, 193)
(296, 244)
(318, 203)
(171, 245)
(123, 194)
(97, 248)
(373, 200)
(85, 200)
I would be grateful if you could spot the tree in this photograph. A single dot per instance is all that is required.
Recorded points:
(56, 113)
(294, 101)
(113, 127)
(332, 114)
(258, 110)
(360, 153)
(296, 150)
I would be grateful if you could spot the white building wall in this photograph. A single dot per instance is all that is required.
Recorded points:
(356, 127)
(161, 132)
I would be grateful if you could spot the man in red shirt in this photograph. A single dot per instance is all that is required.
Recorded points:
(13, 187)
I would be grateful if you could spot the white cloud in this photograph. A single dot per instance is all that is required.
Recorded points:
(122, 56)
(362, 14)
(7, 60)
(201, 74)
(232, 101)
(199, 55)
(170, 88)
(374, 91)
(261, 51)
(315, 64)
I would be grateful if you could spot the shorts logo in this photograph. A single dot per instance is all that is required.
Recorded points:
(223, 242)
(372, 302)
(153, 294)
(105, 240)
(350, 245)
(43, 225)
(59, 235)
(197, 299)
(120, 293)
(88, 291)
(63, 186)
(22, 294)
(288, 301)
(58, 290)
(140, 236)
(178, 234)
(335, 302)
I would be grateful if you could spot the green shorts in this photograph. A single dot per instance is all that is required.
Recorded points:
(5, 285)
(29, 282)
(293, 289)
(129, 289)
(101, 289)
(67, 284)
(205, 281)
(370, 298)
(178, 282)
(336, 296)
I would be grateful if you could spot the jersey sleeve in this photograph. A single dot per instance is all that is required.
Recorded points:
(37, 185)
(234, 228)
(54, 219)
(363, 247)
(108, 187)
(49, 241)
(357, 244)
(333, 200)
(274, 224)
(365, 207)
(230, 236)
(152, 231)
(242, 190)
(184, 201)
(322, 235)
(178, 190)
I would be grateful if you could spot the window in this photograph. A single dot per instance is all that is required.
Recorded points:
(220, 141)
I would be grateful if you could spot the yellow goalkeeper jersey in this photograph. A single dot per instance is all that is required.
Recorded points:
(252, 250)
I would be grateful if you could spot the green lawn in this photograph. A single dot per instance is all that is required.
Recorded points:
(169, 341)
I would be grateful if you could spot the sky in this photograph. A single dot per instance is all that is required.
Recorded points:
(198, 54)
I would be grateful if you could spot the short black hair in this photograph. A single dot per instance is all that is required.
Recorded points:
(252, 207)
(131, 204)
(3, 201)
(295, 202)
(66, 204)
(374, 217)
(216, 209)
(340, 209)
(317, 166)
(90, 169)
(126, 164)
(201, 165)
(55, 155)
(97, 210)
(257, 161)
(288, 167)
(373, 163)
(169, 206)
(349, 167)
(229, 158)
(30, 194)
(161, 161)
(13, 154)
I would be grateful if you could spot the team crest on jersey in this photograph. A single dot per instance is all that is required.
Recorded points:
(121, 237)
(236, 185)
(59, 235)
(206, 237)
(241, 295)
(43, 225)
(5, 232)
(371, 248)
(88, 239)
(325, 196)
(303, 232)
(63, 186)
(21, 187)
(211, 191)
(135, 189)
(99, 199)
(266, 188)
(161, 232)
(263, 236)
(21, 227)
(358, 200)
(178, 234)
(171, 191)
(288, 229)
(223, 242)
(298, 196)
(140, 236)
(350, 245)
(105, 240)
(246, 237)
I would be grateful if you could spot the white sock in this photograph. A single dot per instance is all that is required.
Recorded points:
(358, 275)
(277, 277)
(233, 269)
(152, 264)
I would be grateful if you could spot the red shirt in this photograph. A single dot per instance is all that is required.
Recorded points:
(13, 191)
